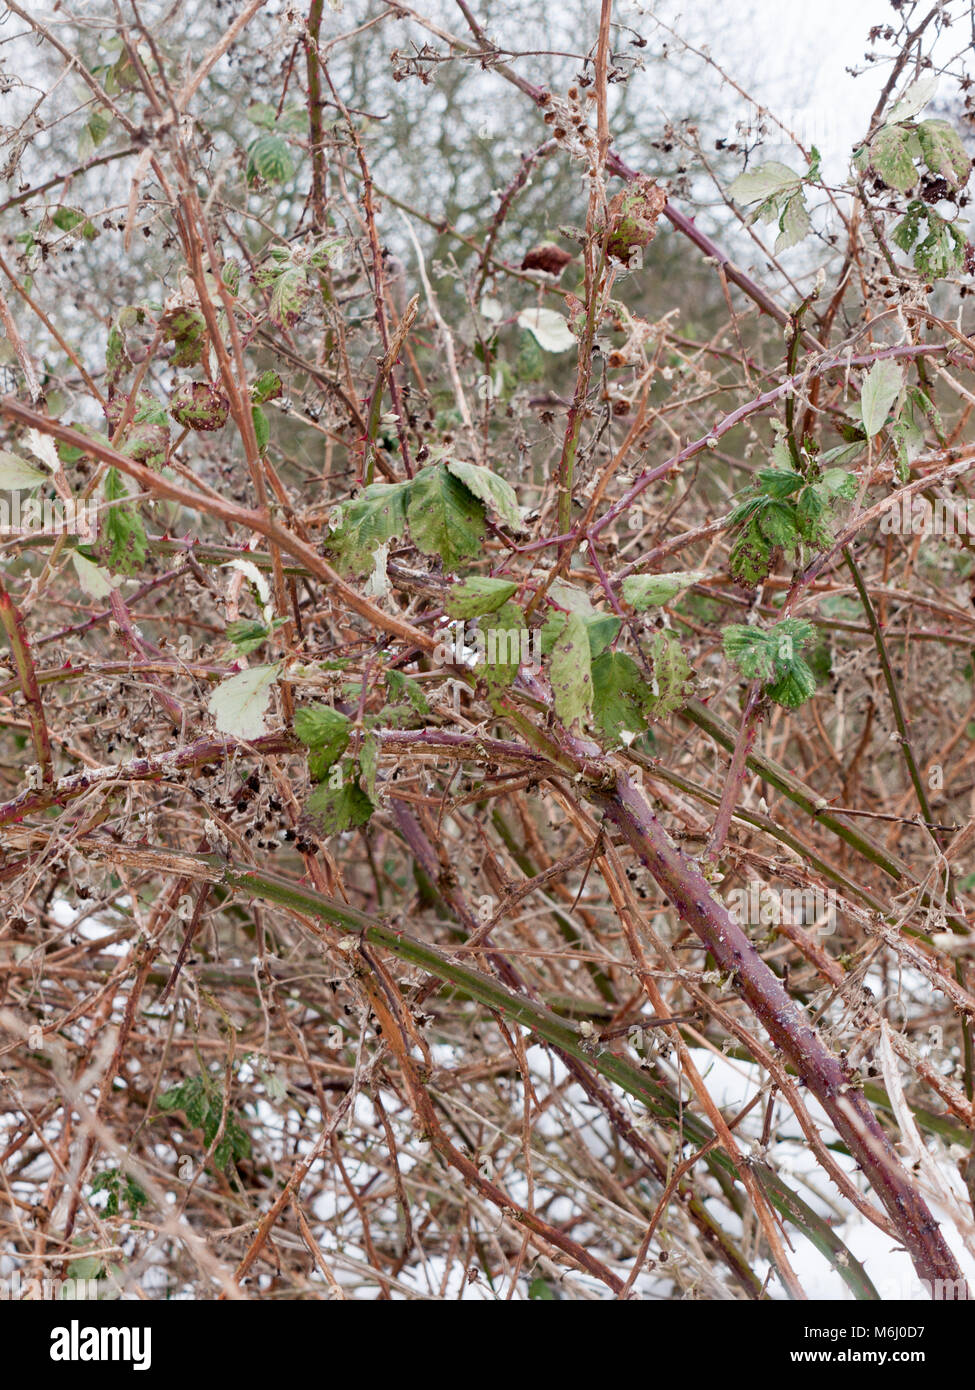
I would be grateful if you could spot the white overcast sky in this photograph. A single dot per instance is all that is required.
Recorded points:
(793, 55)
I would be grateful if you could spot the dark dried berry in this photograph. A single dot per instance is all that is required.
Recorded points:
(547, 257)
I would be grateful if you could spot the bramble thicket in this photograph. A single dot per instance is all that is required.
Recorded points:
(488, 753)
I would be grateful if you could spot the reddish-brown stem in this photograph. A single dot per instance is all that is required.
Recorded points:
(791, 1030)
(13, 625)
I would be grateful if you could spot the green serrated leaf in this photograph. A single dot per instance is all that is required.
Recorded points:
(750, 560)
(942, 252)
(772, 655)
(333, 810)
(759, 185)
(492, 490)
(745, 509)
(880, 389)
(202, 1103)
(672, 677)
(73, 220)
(795, 687)
(120, 1188)
(749, 649)
(890, 157)
(777, 523)
(17, 473)
(541, 1291)
(907, 231)
(186, 330)
(261, 113)
(122, 543)
(530, 362)
(445, 518)
(837, 482)
(944, 153)
(842, 454)
(197, 405)
(269, 160)
(325, 731)
(146, 437)
(602, 628)
(794, 223)
(117, 359)
(622, 700)
(402, 689)
(779, 483)
(813, 529)
(290, 292)
(267, 387)
(93, 133)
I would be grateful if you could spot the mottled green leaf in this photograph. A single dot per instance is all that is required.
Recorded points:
(622, 699)
(324, 730)
(653, 590)
(751, 556)
(498, 495)
(267, 387)
(199, 406)
(445, 518)
(880, 389)
(146, 437)
(773, 655)
(839, 483)
(402, 689)
(185, 328)
(571, 672)
(672, 677)
(794, 223)
(601, 628)
(246, 634)
(890, 157)
(369, 765)
(777, 523)
(377, 515)
(478, 594)
(944, 153)
(290, 292)
(795, 687)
